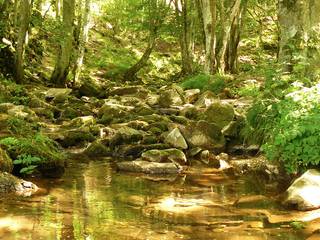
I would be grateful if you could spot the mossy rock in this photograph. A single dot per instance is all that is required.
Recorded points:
(6, 164)
(219, 113)
(165, 155)
(97, 149)
(75, 137)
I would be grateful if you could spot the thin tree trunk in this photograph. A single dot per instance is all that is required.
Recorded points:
(22, 34)
(83, 39)
(208, 8)
(62, 65)
(132, 71)
(227, 26)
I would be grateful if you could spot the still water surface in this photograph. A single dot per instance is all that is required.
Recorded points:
(93, 202)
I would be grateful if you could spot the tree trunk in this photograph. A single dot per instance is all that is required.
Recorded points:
(22, 34)
(183, 18)
(298, 21)
(61, 70)
(132, 71)
(208, 9)
(156, 16)
(230, 37)
(83, 39)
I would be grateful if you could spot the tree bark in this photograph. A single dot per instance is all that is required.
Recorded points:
(22, 34)
(83, 39)
(183, 18)
(298, 21)
(61, 70)
(208, 9)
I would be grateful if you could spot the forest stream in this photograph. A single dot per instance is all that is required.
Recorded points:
(93, 201)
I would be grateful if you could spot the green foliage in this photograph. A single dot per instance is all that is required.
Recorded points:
(285, 120)
(31, 151)
(12, 92)
(215, 83)
(29, 162)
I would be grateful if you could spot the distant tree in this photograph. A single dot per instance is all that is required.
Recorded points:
(63, 60)
(299, 33)
(23, 12)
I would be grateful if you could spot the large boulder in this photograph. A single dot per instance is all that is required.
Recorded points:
(165, 155)
(58, 94)
(206, 99)
(219, 113)
(126, 135)
(149, 167)
(91, 88)
(204, 135)
(12, 184)
(304, 192)
(176, 139)
(170, 97)
(112, 111)
(6, 164)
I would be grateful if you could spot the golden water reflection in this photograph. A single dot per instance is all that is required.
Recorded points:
(93, 202)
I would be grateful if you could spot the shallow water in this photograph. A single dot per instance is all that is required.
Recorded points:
(92, 201)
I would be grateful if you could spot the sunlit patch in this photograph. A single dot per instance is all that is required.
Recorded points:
(182, 204)
(14, 224)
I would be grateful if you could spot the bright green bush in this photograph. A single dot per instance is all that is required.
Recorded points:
(289, 127)
(215, 83)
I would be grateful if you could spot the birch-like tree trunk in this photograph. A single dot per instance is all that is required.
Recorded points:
(299, 23)
(208, 9)
(23, 19)
(83, 39)
(62, 65)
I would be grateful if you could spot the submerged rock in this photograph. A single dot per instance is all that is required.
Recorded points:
(12, 184)
(149, 167)
(165, 155)
(304, 192)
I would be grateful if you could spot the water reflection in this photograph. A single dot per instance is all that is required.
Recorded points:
(92, 202)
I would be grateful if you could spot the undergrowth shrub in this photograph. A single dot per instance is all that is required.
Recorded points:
(29, 148)
(285, 120)
(215, 83)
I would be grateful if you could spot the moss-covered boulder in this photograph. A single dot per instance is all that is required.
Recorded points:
(6, 164)
(219, 113)
(126, 135)
(91, 88)
(97, 149)
(170, 97)
(204, 135)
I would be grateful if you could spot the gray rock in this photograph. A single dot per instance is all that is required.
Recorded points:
(170, 97)
(304, 192)
(58, 94)
(149, 167)
(206, 99)
(12, 184)
(176, 139)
